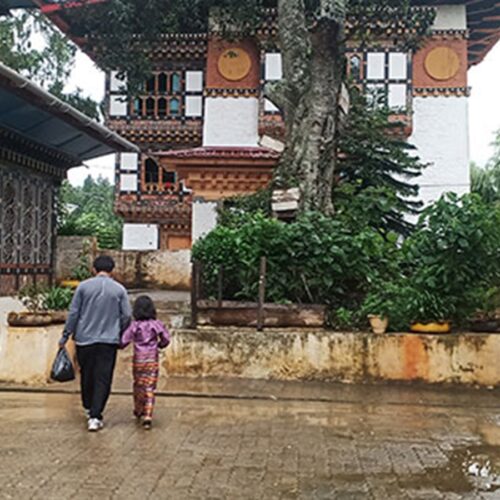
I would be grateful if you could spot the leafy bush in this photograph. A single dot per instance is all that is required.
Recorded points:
(57, 299)
(313, 260)
(38, 298)
(451, 259)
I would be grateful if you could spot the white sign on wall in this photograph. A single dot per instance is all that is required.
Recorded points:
(140, 237)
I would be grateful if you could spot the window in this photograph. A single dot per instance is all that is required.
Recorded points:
(355, 68)
(169, 180)
(162, 107)
(176, 83)
(162, 82)
(387, 75)
(169, 94)
(194, 94)
(375, 66)
(151, 172)
(273, 71)
(150, 107)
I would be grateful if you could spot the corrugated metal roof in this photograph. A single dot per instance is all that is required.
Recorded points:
(30, 111)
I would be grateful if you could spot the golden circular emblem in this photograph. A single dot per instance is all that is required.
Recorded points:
(234, 64)
(442, 63)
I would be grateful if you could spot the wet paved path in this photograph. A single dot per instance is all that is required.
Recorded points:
(359, 442)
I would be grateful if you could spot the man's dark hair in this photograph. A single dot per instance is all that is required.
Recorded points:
(104, 263)
(144, 308)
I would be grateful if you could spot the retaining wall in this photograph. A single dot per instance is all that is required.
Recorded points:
(466, 359)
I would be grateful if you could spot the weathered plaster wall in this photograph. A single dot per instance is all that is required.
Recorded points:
(160, 269)
(231, 121)
(68, 253)
(440, 132)
(346, 357)
(287, 355)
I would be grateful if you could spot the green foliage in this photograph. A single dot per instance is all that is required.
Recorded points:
(57, 299)
(88, 211)
(237, 210)
(445, 270)
(377, 170)
(31, 45)
(382, 299)
(313, 260)
(40, 298)
(451, 259)
(486, 181)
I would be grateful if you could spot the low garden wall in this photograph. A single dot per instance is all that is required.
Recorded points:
(160, 269)
(468, 359)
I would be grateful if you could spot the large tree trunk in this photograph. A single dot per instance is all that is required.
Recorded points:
(308, 97)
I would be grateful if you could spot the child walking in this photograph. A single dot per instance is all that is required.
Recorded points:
(148, 336)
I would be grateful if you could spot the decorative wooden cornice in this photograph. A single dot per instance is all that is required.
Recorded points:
(168, 132)
(160, 210)
(442, 92)
(231, 92)
(22, 152)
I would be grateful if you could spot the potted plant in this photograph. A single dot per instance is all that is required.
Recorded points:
(453, 252)
(32, 297)
(428, 311)
(57, 301)
(378, 307)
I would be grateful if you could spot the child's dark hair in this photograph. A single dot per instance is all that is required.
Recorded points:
(144, 308)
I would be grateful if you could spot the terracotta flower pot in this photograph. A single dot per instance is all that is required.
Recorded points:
(28, 319)
(444, 327)
(378, 324)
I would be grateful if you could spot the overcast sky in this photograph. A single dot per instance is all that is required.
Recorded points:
(484, 109)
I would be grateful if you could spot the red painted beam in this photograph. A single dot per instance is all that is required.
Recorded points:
(51, 8)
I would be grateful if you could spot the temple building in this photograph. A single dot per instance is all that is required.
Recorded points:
(206, 131)
(40, 139)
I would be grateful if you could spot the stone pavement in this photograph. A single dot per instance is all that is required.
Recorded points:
(237, 439)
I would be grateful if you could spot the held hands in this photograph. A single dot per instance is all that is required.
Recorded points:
(62, 342)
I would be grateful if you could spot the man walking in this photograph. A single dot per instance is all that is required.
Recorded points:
(99, 312)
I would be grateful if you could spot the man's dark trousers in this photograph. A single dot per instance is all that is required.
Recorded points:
(97, 364)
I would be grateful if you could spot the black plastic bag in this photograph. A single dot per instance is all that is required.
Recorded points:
(62, 368)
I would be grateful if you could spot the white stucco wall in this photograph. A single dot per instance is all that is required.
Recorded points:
(451, 17)
(140, 237)
(204, 219)
(231, 121)
(440, 133)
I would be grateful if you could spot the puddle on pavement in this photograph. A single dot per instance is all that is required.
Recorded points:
(471, 469)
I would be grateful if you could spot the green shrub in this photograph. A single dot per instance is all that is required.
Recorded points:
(451, 259)
(57, 299)
(313, 260)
